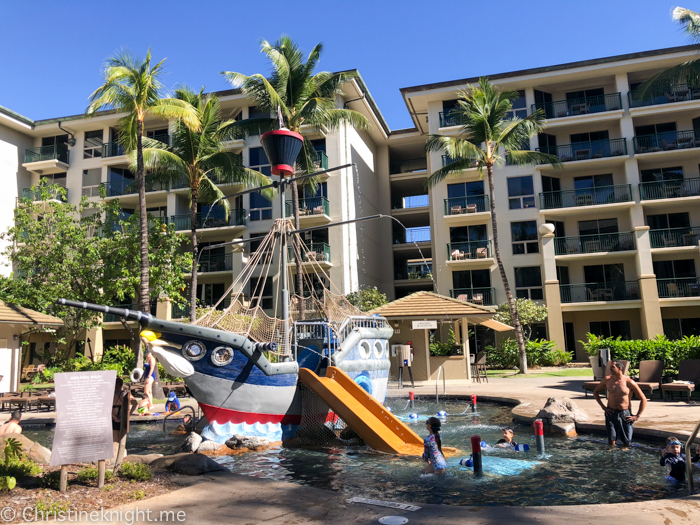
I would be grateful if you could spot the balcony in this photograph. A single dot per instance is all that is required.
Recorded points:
(446, 159)
(165, 139)
(412, 235)
(410, 202)
(621, 193)
(598, 149)
(179, 312)
(313, 211)
(398, 167)
(315, 254)
(215, 263)
(321, 160)
(413, 274)
(580, 106)
(470, 254)
(678, 287)
(118, 188)
(447, 120)
(112, 149)
(43, 194)
(675, 238)
(675, 93)
(182, 222)
(597, 292)
(471, 204)
(669, 189)
(667, 141)
(480, 296)
(46, 159)
(597, 243)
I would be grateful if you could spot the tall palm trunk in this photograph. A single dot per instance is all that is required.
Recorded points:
(300, 276)
(144, 296)
(509, 296)
(195, 251)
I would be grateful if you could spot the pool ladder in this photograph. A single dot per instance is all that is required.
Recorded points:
(689, 463)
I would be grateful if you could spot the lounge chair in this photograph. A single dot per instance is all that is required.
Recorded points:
(463, 297)
(481, 253)
(650, 373)
(479, 368)
(456, 210)
(457, 255)
(471, 208)
(590, 385)
(688, 370)
(478, 298)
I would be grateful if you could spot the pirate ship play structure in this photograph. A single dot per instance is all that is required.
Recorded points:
(321, 363)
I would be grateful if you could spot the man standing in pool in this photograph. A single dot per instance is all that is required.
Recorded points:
(618, 418)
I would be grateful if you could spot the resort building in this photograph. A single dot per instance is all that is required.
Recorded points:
(609, 241)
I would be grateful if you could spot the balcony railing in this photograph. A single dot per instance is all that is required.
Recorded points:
(309, 206)
(54, 152)
(597, 149)
(480, 296)
(678, 287)
(461, 251)
(601, 242)
(321, 160)
(580, 106)
(586, 197)
(165, 138)
(667, 141)
(112, 149)
(676, 93)
(407, 203)
(471, 204)
(117, 188)
(178, 311)
(216, 263)
(312, 252)
(674, 237)
(411, 274)
(408, 166)
(46, 193)
(447, 119)
(669, 189)
(446, 159)
(411, 235)
(593, 292)
(237, 217)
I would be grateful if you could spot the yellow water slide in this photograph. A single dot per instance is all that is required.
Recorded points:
(378, 427)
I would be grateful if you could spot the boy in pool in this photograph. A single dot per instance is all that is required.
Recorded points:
(173, 403)
(673, 460)
(433, 448)
(507, 440)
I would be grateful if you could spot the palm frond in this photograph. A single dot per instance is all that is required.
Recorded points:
(453, 169)
(690, 21)
(527, 157)
(687, 72)
(174, 109)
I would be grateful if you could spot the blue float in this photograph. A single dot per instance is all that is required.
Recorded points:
(466, 462)
(413, 416)
(442, 413)
(388, 409)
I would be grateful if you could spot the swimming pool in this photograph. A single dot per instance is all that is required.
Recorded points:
(574, 471)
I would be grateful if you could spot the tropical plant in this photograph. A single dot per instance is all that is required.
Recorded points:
(304, 98)
(135, 471)
(200, 159)
(688, 72)
(529, 312)
(540, 352)
(487, 139)
(367, 299)
(132, 86)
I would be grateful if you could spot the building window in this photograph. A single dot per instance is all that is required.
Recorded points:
(611, 329)
(519, 108)
(261, 292)
(208, 294)
(668, 220)
(537, 331)
(550, 184)
(524, 237)
(680, 269)
(160, 135)
(260, 207)
(521, 193)
(661, 174)
(597, 226)
(528, 283)
(60, 140)
(675, 329)
(91, 182)
(93, 144)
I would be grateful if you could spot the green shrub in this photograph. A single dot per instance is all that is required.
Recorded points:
(556, 357)
(15, 464)
(7, 483)
(138, 494)
(135, 471)
(540, 352)
(449, 348)
(637, 350)
(47, 508)
(90, 473)
(122, 356)
(52, 480)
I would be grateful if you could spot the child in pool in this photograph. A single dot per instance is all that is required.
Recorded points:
(507, 441)
(673, 460)
(433, 448)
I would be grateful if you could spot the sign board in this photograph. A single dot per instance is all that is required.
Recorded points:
(83, 417)
(424, 325)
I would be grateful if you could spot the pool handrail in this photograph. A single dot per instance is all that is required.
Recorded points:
(688, 462)
(437, 381)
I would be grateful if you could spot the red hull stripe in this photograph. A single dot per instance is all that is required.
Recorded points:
(224, 415)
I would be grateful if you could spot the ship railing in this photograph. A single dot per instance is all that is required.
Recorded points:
(356, 321)
(315, 330)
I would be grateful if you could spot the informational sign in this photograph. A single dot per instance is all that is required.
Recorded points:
(424, 325)
(83, 417)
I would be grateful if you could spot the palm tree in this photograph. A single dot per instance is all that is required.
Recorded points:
(133, 86)
(304, 98)
(487, 138)
(688, 72)
(199, 158)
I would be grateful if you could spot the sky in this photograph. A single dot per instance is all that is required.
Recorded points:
(53, 52)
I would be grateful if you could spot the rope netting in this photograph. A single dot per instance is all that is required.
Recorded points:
(247, 316)
(320, 426)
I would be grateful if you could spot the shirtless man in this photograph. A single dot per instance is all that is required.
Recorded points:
(12, 426)
(618, 419)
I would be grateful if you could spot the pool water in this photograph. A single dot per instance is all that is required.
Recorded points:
(574, 471)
